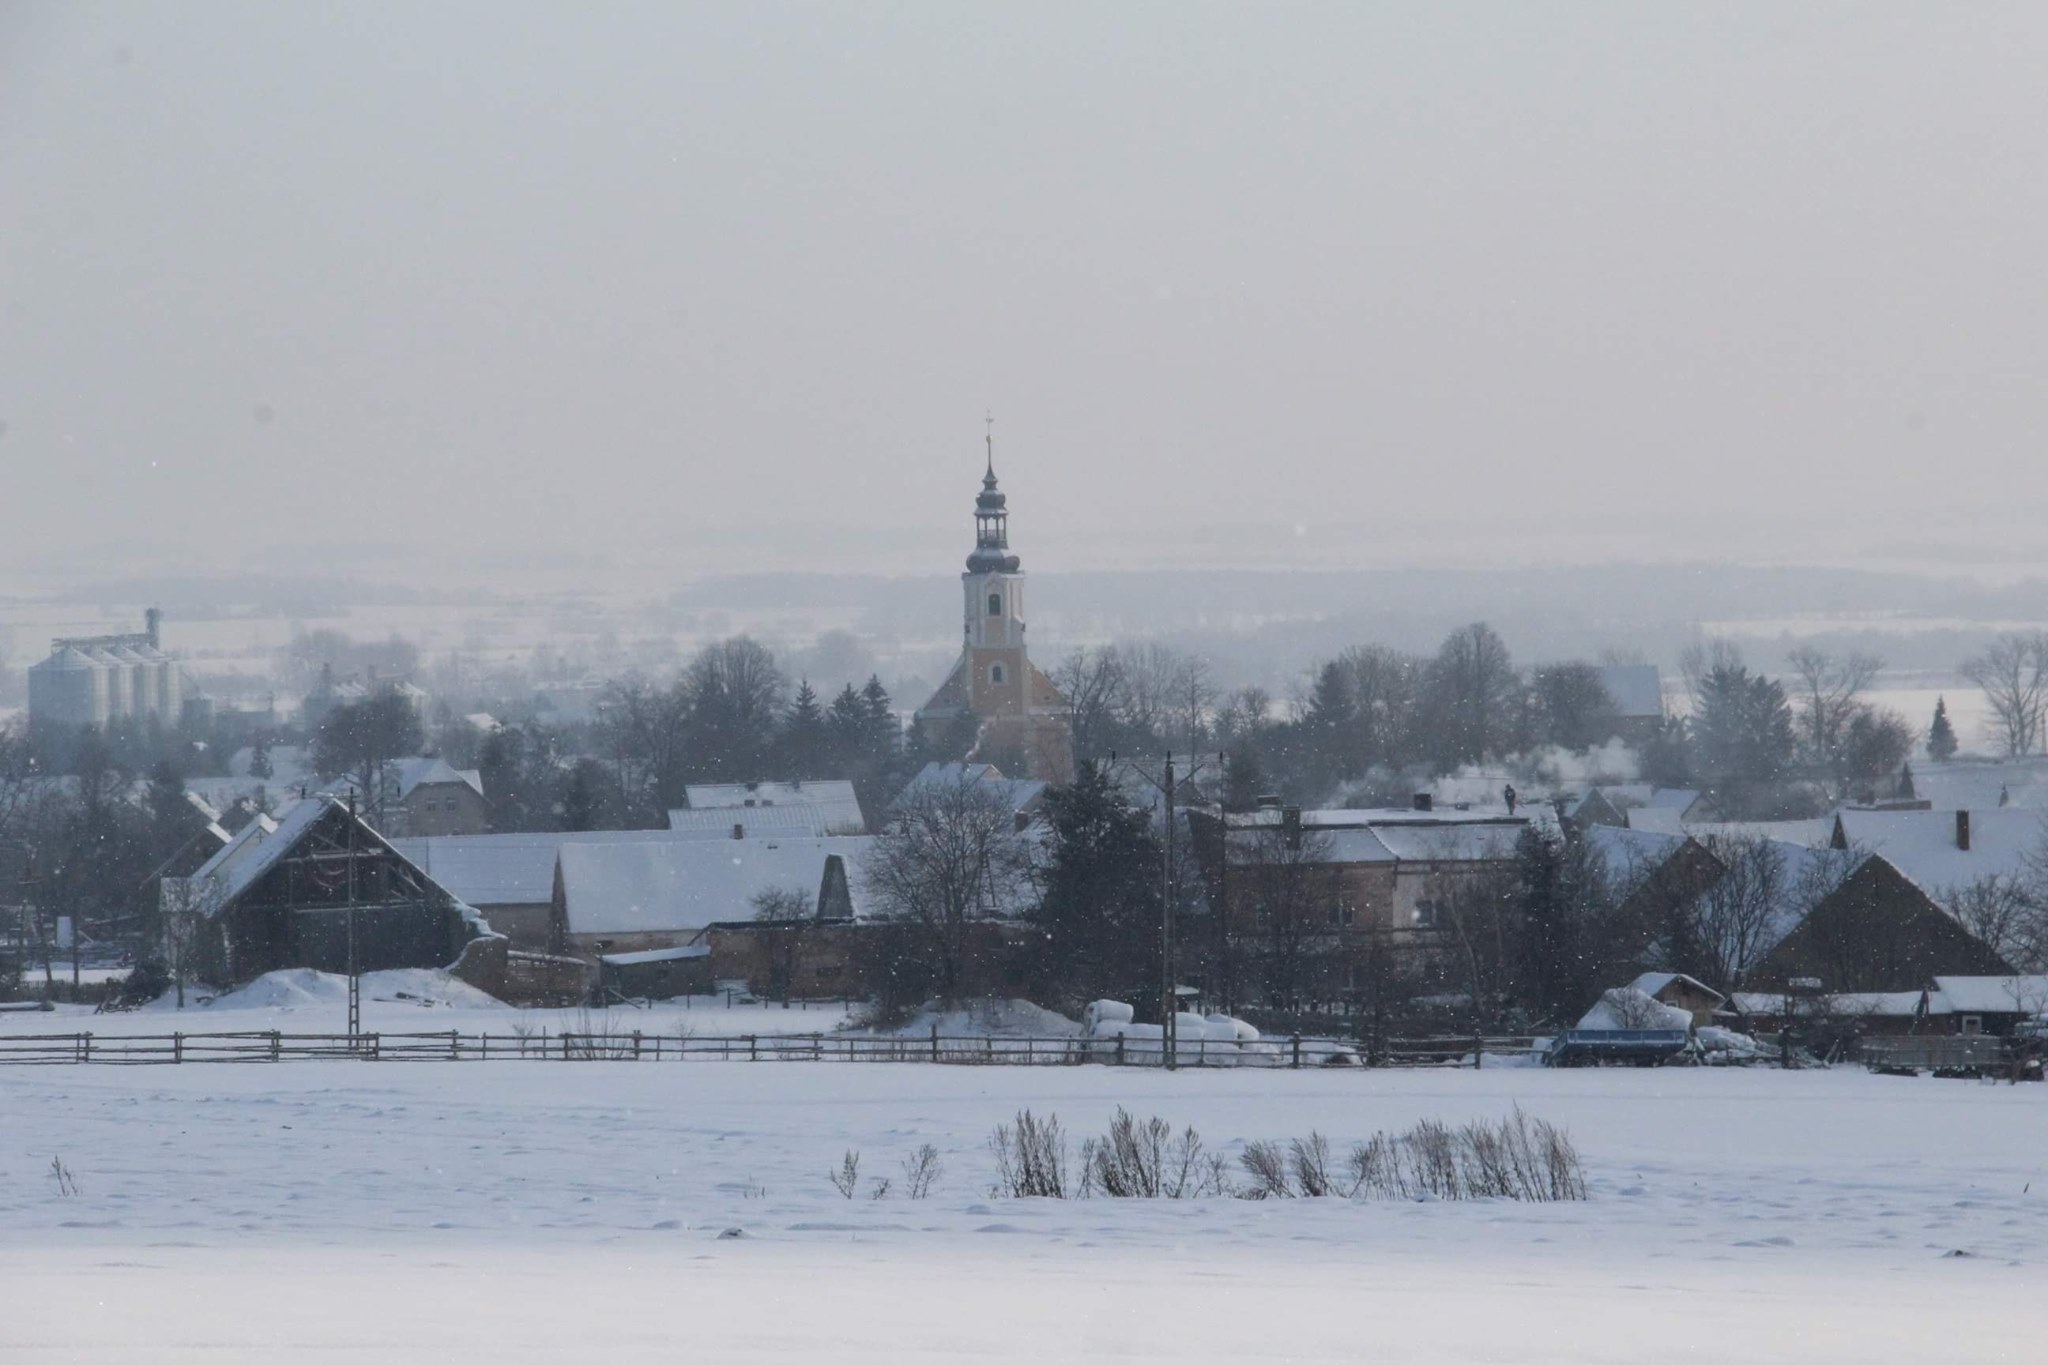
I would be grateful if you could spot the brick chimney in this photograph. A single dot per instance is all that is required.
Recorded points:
(1963, 830)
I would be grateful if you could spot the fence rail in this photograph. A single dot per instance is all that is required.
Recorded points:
(58, 1049)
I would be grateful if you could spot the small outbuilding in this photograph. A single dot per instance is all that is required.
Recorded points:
(1676, 988)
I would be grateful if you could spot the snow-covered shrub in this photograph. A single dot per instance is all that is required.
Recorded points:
(1145, 1161)
(1031, 1157)
(846, 1179)
(921, 1171)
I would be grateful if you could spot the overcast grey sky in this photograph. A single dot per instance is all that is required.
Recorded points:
(608, 278)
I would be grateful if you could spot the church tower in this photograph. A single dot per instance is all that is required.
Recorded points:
(1020, 715)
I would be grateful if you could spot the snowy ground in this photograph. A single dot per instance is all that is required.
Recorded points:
(543, 1211)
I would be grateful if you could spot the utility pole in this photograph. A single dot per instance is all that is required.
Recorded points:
(355, 980)
(1169, 1003)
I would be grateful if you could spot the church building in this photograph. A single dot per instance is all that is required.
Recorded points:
(1018, 718)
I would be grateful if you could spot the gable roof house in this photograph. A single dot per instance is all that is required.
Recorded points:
(743, 810)
(1638, 693)
(647, 894)
(510, 878)
(426, 796)
(1877, 930)
(283, 894)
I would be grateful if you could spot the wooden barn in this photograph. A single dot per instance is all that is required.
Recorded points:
(292, 892)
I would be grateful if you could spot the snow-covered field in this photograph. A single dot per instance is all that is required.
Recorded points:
(550, 1211)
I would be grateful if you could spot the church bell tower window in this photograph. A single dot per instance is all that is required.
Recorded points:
(995, 604)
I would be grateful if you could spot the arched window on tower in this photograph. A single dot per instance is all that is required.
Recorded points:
(995, 674)
(995, 604)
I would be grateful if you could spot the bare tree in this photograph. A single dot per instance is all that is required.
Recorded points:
(1727, 929)
(2007, 915)
(1295, 896)
(1482, 926)
(950, 856)
(1092, 681)
(2013, 673)
(1825, 701)
(785, 915)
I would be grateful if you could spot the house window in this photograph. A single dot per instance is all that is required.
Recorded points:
(995, 604)
(995, 674)
(1425, 914)
(1340, 915)
(1973, 1023)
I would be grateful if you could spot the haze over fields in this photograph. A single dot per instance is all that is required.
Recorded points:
(476, 292)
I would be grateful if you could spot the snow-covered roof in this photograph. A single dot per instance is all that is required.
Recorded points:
(682, 954)
(727, 795)
(1922, 843)
(1878, 1004)
(1670, 798)
(1815, 833)
(1325, 846)
(828, 807)
(1994, 994)
(2021, 782)
(408, 773)
(1632, 853)
(1455, 843)
(1637, 689)
(247, 856)
(1626, 1007)
(1649, 983)
(673, 885)
(763, 821)
(505, 869)
(1022, 793)
(1379, 817)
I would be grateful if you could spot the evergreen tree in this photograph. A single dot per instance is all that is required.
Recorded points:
(259, 758)
(880, 734)
(806, 741)
(1941, 736)
(1742, 737)
(1099, 911)
(848, 724)
(1569, 942)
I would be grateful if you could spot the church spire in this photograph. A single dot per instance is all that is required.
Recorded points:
(991, 519)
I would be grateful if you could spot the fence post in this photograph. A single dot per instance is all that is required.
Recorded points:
(1295, 1064)
(85, 1046)
(1478, 1053)
(454, 1045)
(177, 1047)
(935, 1042)
(753, 1044)
(1119, 1049)
(636, 1045)
(276, 1045)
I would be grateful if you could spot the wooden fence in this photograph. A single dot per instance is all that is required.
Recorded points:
(53, 1049)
